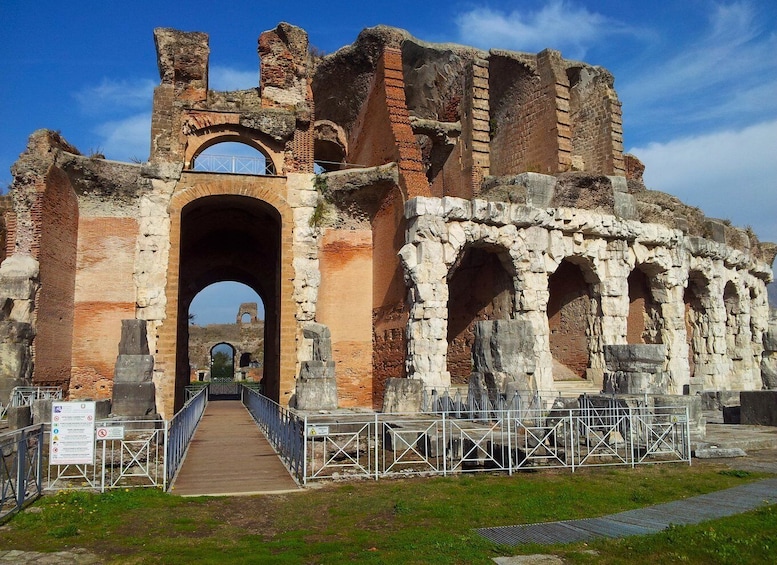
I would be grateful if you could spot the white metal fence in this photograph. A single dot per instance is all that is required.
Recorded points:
(383, 445)
(21, 468)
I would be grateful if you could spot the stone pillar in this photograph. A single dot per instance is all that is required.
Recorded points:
(669, 295)
(426, 264)
(133, 388)
(769, 358)
(635, 369)
(316, 387)
(18, 287)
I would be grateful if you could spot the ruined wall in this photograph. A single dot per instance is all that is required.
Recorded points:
(596, 122)
(57, 220)
(104, 296)
(382, 133)
(345, 306)
(247, 339)
(539, 239)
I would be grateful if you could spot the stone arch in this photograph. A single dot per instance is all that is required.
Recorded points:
(215, 372)
(480, 287)
(330, 145)
(208, 137)
(573, 310)
(644, 322)
(697, 302)
(260, 196)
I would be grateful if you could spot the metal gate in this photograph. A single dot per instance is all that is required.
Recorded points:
(226, 389)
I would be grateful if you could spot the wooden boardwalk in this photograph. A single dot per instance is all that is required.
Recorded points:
(229, 455)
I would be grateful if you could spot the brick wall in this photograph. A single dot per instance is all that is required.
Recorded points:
(55, 216)
(345, 305)
(382, 132)
(104, 295)
(389, 309)
(569, 309)
(595, 116)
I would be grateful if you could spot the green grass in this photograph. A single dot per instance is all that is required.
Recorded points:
(396, 521)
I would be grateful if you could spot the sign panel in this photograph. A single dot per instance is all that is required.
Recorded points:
(72, 433)
(318, 430)
(109, 432)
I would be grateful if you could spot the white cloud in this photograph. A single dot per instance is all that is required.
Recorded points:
(226, 78)
(559, 24)
(724, 68)
(111, 96)
(126, 139)
(728, 174)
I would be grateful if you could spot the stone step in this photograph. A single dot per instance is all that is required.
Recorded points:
(577, 387)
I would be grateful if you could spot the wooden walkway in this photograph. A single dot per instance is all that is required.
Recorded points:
(229, 455)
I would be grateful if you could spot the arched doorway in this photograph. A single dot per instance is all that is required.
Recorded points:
(222, 362)
(230, 237)
(479, 288)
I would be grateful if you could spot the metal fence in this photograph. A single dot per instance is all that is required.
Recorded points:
(234, 164)
(136, 459)
(181, 429)
(25, 395)
(21, 466)
(283, 429)
(403, 444)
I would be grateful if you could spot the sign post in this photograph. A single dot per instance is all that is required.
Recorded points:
(72, 433)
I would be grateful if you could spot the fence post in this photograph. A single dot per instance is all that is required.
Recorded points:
(377, 450)
(305, 450)
(572, 436)
(21, 461)
(444, 449)
(509, 445)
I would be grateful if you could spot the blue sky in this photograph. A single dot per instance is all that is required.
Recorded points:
(697, 78)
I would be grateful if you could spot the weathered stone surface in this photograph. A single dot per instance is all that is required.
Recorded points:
(719, 452)
(504, 346)
(319, 393)
(133, 338)
(718, 399)
(134, 368)
(637, 358)
(636, 382)
(41, 411)
(133, 399)
(19, 417)
(759, 407)
(403, 395)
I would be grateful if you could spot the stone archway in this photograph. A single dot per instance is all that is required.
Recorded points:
(236, 229)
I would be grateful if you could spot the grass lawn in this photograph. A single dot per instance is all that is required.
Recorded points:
(407, 521)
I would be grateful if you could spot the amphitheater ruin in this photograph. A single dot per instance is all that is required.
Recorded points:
(428, 215)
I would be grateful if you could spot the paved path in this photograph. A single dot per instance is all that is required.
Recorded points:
(229, 455)
(643, 520)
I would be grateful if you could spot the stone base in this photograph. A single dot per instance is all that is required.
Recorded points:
(403, 395)
(316, 394)
(759, 407)
(19, 417)
(636, 383)
(133, 399)
(719, 399)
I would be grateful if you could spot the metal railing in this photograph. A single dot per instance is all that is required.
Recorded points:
(21, 468)
(401, 444)
(180, 431)
(282, 428)
(26, 395)
(137, 459)
(234, 164)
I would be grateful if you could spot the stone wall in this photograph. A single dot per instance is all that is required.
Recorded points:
(608, 249)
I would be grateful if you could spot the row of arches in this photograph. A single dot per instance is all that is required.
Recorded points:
(597, 293)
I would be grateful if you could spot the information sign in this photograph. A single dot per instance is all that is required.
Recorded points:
(110, 432)
(72, 433)
(318, 430)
